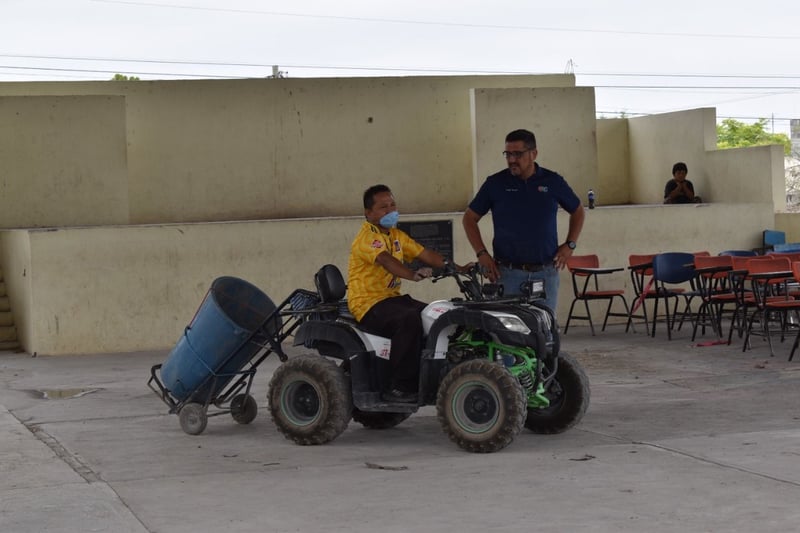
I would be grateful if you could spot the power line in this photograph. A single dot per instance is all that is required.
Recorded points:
(418, 69)
(116, 71)
(269, 65)
(774, 90)
(713, 76)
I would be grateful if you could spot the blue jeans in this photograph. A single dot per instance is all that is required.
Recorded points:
(512, 279)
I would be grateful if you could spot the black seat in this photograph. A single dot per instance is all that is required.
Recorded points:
(330, 284)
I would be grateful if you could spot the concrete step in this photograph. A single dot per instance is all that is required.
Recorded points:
(8, 333)
(10, 346)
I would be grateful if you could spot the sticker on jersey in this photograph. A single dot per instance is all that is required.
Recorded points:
(542, 188)
(396, 246)
(377, 243)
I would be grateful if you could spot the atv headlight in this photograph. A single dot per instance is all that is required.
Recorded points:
(513, 323)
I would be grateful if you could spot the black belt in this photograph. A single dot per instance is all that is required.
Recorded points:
(528, 267)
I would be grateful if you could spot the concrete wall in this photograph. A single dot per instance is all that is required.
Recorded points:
(109, 289)
(117, 289)
(730, 168)
(214, 150)
(613, 183)
(63, 161)
(658, 141)
(562, 119)
(788, 223)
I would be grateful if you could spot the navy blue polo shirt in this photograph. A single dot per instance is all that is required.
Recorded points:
(524, 213)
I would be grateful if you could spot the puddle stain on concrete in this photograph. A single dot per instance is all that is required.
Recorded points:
(61, 394)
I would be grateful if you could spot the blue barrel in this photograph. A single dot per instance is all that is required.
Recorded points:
(218, 341)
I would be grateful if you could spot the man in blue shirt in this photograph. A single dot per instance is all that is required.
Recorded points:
(524, 200)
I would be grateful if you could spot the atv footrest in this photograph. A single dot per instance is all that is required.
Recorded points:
(372, 402)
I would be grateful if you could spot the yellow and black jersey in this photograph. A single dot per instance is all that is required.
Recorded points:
(368, 283)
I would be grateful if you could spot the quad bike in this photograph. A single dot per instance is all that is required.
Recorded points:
(491, 365)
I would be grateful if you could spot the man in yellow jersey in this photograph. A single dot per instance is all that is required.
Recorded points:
(377, 258)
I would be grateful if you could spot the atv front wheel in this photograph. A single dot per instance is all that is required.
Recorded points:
(568, 393)
(375, 420)
(309, 400)
(481, 406)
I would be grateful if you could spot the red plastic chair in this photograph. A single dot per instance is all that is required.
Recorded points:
(715, 291)
(768, 278)
(796, 276)
(585, 271)
(641, 271)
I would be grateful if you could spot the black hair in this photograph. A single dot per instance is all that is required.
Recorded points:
(523, 135)
(679, 166)
(369, 194)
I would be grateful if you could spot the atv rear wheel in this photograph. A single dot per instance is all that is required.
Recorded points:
(481, 406)
(309, 400)
(375, 420)
(569, 397)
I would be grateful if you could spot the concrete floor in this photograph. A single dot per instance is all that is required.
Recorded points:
(677, 438)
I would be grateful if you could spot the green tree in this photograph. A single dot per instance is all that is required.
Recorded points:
(122, 77)
(734, 134)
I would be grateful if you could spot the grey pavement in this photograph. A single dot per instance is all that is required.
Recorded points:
(677, 438)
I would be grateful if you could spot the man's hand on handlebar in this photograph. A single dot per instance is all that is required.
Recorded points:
(422, 273)
(465, 269)
(489, 267)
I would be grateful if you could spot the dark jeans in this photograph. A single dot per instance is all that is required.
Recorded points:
(398, 318)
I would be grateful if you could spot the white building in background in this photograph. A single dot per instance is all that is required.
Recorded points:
(792, 166)
(794, 135)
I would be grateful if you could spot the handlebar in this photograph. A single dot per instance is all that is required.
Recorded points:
(471, 282)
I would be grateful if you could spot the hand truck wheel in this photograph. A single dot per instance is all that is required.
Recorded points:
(244, 408)
(193, 418)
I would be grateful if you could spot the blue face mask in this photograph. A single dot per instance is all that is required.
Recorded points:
(389, 220)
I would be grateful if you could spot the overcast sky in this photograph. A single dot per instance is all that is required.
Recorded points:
(741, 57)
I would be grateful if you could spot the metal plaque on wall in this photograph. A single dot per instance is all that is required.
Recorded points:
(433, 234)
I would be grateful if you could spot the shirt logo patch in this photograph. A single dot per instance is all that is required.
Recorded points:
(542, 188)
(396, 246)
(512, 190)
(377, 243)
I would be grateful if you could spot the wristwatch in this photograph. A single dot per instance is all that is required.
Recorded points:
(571, 245)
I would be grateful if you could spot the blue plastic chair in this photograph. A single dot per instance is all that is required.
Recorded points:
(669, 269)
(770, 238)
(739, 253)
(786, 247)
